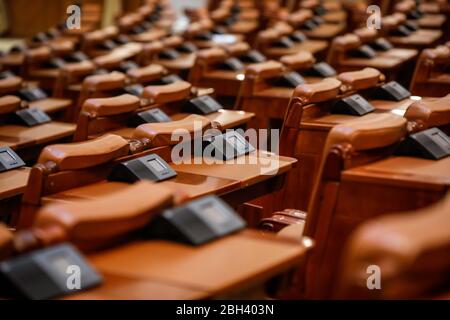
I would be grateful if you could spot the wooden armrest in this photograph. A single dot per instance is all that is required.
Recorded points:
(269, 35)
(283, 28)
(439, 54)
(10, 84)
(175, 91)
(267, 69)
(38, 54)
(366, 34)
(211, 56)
(299, 17)
(146, 74)
(108, 81)
(360, 80)
(78, 69)
(432, 113)
(72, 156)
(172, 42)
(153, 47)
(346, 42)
(375, 131)
(237, 49)
(61, 47)
(107, 217)
(160, 134)
(301, 60)
(324, 90)
(111, 106)
(9, 104)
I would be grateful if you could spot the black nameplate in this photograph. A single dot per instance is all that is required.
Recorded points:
(32, 117)
(204, 36)
(318, 20)
(18, 48)
(150, 167)
(149, 116)
(203, 105)
(415, 14)
(128, 65)
(6, 74)
(146, 25)
(411, 25)
(197, 222)
(169, 54)
(319, 10)
(291, 80)
(381, 44)
(310, 24)
(107, 45)
(321, 69)
(49, 273)
(298, 36)
(429, 144)
(122, 39)
(54, 63)
(401, 31)
(40, 37)
(134, 89)
(284, 42)
(32, 94)
(253, 56)
(364, 51)
(227, 146)
(392, 91)
(354, 105)
(170, 79)
(9, 160)
(187, 47)
(137, 30)
(232, 64)
(76, 57)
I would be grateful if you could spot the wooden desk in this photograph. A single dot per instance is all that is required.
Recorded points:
(40, 134)
(13, 182)
(325, 31)
(118, 287)
(225, 266)
(183, 62)
(228, 119)
(51, 105)
(313, 46)
(417, 40)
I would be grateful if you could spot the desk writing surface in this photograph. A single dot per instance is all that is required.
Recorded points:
(13, 182)
(407, 171)
(309, 45)
(325, 31)
(192, 185)
(118, 287)
(235, 261)
(402, 54)
(43, 133)
(379, 62)
(15, 143)
(419, 37)
(185, 61)
(50, 105)
(248, 169)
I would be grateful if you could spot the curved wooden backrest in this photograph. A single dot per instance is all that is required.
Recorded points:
(37, 55)
(426, 113)
(10, 85)
(172, 41)
(70, 73)
(176, 91)
(101, 107)
(300, 60)
(73, 156)
(283, 28)
(267, 36)
(366, 35)
(161, 134)
(237, 49)
(9, 104)
(324, 90)
(411, 249)
(360, 80)
(346, 42)
(299, 17)
(211, 56)
(146, 74)
(102, 82)
(90, 223)
(263, 70)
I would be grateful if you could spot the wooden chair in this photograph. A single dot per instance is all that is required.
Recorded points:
(27, 141)
(430, 77)
(413, 264)
(423, 20)
(419, 39)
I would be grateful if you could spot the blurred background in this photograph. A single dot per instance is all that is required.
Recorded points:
(23, 18)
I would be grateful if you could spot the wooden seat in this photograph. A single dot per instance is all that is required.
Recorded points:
(421, 243)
